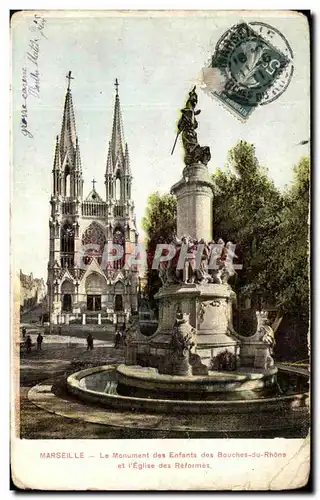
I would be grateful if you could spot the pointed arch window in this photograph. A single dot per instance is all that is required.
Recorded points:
(118, 185)
(67, 245)
(67, 292)
(119, 239)
(67, 181)
(93, 241)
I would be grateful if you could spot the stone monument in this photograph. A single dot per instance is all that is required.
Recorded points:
(190, 285)
(196, 363)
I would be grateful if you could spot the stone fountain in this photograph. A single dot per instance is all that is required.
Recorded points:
(196, 366)
(195, 336)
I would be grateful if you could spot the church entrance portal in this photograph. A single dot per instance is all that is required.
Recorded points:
(118, 303)
(66, 303)
(94, 302)
(95, 288)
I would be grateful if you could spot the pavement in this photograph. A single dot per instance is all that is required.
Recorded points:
(59, 356)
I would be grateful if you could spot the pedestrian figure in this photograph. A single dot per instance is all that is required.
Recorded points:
(39, 342)
(24, 331)
(60, 330)
(122, 333)
(28, 343)
(118, 339)
(89, 342)
(123, 339)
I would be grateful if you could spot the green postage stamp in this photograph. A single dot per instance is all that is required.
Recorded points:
(255, 63)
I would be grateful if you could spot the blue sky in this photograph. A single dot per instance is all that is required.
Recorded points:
(157, 59)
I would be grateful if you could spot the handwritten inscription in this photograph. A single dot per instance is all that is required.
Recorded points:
(34, 87)
(24, 108)
(38, 25)
(33, 53)
(30, 81)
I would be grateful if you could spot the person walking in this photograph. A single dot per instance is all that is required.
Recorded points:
(89, 342)
(124, 338)
(24, 331)
(118, 339)
(28, 343)
(39, 342)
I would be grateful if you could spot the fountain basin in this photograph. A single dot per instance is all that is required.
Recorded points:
(98, 385)
(148, 382)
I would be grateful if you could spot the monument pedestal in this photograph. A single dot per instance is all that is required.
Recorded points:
(194, 202)
(210, 309)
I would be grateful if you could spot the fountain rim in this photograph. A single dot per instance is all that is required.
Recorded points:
(73, 383)
(132, 371)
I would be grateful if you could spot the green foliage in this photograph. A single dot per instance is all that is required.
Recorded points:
(291, 246)
(159, 224)
(246, 211)
(269, 228)
(160, 220)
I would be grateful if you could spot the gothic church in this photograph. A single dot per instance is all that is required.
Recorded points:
(82, 286)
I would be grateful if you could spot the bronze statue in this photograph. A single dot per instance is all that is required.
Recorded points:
(187, 125)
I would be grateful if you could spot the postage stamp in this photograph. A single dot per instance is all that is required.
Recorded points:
(252, 65)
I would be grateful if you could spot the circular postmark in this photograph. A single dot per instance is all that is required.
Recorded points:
(256, 62)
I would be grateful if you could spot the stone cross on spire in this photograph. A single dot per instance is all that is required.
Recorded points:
(93, 183)
(69, 78)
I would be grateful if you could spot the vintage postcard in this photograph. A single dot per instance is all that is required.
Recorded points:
(160, 250)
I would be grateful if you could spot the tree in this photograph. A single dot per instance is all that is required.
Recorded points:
(159, 224)
(270, 230)
(290, 255)
(246, 211)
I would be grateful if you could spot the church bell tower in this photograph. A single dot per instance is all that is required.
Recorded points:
(82, 283)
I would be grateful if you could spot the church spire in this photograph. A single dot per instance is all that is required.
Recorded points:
(116, 145)
(118, 174)
(56, 162)
(127, 161)
(77, 157)
(109, 161)
(67, 170)
(68, 137)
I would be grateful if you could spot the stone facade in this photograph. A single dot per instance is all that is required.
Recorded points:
(32, 290)
(84, 277)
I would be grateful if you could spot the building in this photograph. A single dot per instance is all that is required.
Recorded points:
(85, 282)
(32, 291)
